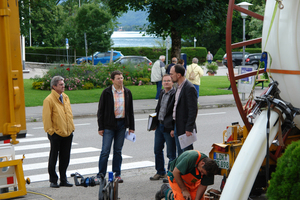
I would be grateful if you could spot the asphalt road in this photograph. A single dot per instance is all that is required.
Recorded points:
(138, 161)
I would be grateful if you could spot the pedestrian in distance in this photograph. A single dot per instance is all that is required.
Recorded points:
(185, 106)
(209, 57)
(58, 123)
(115, 115)
(157, 72)
(193, 73)
(189, 176)
(174, 62)
(164, 110)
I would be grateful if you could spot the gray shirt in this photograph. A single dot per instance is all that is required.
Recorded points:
(163, 105)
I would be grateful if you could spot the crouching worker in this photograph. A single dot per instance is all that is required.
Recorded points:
(189, 176)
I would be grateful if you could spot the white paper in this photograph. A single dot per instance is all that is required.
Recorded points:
(185, 140)
(130, 137)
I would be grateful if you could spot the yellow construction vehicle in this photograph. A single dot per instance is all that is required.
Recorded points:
(249, 153)
(12, 104)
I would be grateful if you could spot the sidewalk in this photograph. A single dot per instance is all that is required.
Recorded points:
(34, 114)
(140, 106)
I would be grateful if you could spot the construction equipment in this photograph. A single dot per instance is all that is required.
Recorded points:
(249, 154)
(12, 103)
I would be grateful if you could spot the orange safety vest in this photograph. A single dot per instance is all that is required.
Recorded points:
(191, 182)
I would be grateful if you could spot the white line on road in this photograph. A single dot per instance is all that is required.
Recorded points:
(46, 154)
(218, 113)
(75, 161)
(35, 146)
(84, 124)
(94, 170)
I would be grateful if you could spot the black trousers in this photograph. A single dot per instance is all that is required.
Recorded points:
(59, 147)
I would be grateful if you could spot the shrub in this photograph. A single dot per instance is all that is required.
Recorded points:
(284, 183)
(88, 86)
(79, 77)
(212, 67)
(219, 55)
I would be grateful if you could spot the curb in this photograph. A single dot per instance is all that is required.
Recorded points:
(137, 111)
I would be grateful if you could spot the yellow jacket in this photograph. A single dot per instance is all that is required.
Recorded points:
(57, 116)
(198, 73)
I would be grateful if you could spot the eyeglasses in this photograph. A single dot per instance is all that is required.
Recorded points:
(167, 81)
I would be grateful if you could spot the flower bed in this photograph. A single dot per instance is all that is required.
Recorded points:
(78, 77)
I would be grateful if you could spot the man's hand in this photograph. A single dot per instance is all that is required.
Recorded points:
(101, 132)
(130, 131)
(188, 133)
(172, 133)
(186, 195)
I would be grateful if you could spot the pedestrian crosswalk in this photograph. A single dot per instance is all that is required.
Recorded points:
(84, 160)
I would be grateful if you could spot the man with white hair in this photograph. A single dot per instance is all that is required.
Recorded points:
(157, 72)
(193, 74)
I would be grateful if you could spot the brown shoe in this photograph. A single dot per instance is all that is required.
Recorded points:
(157, 177)
(119, 179)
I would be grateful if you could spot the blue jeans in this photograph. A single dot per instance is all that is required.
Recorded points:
(118, 135)
(159, 140)
(179, 150)
(197, 88)
(209, 61)
(158, 88)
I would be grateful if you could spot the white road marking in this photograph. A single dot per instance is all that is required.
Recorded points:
(75, 161)
(35, 146)
(46, 154)
(94, 170)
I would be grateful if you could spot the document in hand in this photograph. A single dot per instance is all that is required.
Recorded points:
(152, 122)
(130, 137)
(185, 140)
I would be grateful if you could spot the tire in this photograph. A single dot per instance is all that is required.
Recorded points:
(255, 66)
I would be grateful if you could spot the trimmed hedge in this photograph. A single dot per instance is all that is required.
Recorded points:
(284, 183)
(59, 54)
(219, 55)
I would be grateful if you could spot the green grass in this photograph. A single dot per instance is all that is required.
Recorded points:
(210, 85)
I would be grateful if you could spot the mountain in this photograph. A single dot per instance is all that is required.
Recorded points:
(132, 18)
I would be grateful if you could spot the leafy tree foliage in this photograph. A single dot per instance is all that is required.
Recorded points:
(98, 25)
(284, 183)
(177, 18)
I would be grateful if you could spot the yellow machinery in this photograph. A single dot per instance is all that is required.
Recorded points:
(12, 103)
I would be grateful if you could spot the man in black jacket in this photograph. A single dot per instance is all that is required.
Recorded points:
(115, 114)
(162, 132)
(185, 106)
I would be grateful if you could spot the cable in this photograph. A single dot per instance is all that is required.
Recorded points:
(40, 194)
(268, 134)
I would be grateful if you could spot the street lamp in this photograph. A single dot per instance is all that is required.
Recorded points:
(245, 6)
(195, 40)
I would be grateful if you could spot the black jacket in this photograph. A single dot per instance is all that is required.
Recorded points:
(106, 115)
(187, 109)
(168, 120)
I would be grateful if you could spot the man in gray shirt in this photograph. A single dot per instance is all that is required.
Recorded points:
(162, 133)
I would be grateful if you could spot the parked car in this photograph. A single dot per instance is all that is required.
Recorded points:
(100, 57)
(237, 58)
(253, 59)
(133, 60)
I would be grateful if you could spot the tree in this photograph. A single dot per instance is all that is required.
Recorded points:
(177, 18)
(98, 24)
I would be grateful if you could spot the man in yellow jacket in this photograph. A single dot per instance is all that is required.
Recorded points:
(58, 123)
(197, 72)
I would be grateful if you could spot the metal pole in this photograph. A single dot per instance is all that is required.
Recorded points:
(30, 41)
(243, 63)
(244, 39)
(167, 47)
(85, 47)
(195, 42)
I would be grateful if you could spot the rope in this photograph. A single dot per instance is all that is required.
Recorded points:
(37, 194)
(40, 194)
